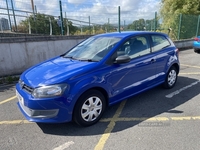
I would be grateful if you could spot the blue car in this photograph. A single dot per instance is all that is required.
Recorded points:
(100, 71)
(196, 44)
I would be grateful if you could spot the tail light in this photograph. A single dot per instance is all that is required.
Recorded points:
(177, 51)
(196, 39)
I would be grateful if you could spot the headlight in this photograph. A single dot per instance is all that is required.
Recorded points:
(21, 83)
(49, 91)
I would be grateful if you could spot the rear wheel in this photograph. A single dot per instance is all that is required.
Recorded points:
(89, 108)
(171, 78)
(197, 51)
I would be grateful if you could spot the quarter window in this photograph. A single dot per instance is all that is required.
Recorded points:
(159, 42)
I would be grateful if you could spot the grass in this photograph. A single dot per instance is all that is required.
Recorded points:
(8, 79)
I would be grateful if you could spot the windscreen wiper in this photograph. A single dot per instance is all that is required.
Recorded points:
(89, 60)
(80, 59)
(70, 57)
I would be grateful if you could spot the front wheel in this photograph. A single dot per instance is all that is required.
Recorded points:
(89, 108)
(171, 78)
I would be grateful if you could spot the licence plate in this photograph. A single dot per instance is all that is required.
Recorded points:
(20, 98)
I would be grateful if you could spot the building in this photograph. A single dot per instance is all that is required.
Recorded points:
(4, 24)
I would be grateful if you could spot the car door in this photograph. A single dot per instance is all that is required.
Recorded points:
(135, 76)
(165, 52)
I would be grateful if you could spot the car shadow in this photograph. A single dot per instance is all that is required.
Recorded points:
(151, 103)
(7, 87)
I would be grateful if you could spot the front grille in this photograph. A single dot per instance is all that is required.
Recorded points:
(27, 89)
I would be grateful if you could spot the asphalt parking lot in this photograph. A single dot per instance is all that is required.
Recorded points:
(154, 120)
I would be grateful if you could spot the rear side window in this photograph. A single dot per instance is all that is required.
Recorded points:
(159, 42)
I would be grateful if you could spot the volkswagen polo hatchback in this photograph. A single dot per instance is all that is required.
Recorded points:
(100, 71)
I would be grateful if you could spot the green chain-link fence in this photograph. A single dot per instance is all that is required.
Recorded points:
(182, 26)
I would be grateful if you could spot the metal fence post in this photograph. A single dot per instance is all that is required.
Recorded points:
(198, 26)
(179, 28)
(89, 25)
(9, 15)
(124, 25)
(14, 15)
(67, 23)
(1, 27)
(119, 19)
(61, 17)
(155, 22)
(108, 25)
(81, 28)
(50, 26)
(33, 9)
(29, 26)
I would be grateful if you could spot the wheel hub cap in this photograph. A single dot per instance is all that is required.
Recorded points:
(172, 77)
(91, 109)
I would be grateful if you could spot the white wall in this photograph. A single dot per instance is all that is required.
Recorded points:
(17, 57)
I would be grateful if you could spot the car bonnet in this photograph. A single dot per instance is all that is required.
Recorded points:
(55, 71)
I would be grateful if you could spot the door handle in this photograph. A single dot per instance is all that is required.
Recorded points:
(153, 60)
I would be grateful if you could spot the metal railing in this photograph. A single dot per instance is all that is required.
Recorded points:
(29, 20)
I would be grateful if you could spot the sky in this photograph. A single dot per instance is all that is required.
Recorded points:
(99, 11)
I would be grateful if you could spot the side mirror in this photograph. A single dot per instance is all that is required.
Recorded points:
(122, 59)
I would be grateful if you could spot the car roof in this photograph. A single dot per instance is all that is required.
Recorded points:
(128, 33)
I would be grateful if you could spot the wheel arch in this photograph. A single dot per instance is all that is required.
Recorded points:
(102, 90)
(176, 66)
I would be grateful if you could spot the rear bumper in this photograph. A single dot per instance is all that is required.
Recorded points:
(196, 45)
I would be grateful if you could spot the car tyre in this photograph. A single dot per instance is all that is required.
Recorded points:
(197, 51)
(89, 108)
(171, 78)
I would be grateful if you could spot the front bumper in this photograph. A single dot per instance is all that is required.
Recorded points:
(48, 110)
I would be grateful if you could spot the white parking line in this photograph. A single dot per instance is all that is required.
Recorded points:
(64, 146)
(182, 89)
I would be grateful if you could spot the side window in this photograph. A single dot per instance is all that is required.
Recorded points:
(135, 47)
(159, 42)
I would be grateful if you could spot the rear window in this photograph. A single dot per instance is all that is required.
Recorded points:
(159, 42)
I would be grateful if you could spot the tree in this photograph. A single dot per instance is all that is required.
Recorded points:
(170, 14)
(40, 24)
(142, 24)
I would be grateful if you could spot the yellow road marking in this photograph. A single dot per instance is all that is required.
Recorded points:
(190, 66)
(190, 73)
(110, 127)
(7, 100)
(181, 118)
(196, 118)
(15, 122)
(136, 119)
(153, 119)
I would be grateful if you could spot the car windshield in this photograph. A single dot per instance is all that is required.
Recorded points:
(92, 49)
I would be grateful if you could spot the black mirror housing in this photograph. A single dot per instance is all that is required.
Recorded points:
(122, 59)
